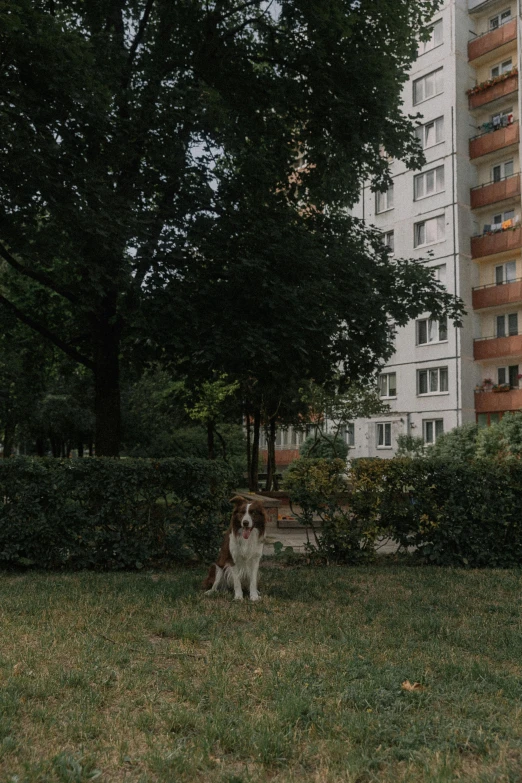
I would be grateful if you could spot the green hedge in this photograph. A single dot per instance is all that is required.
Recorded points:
(106, 513)
(455, 513)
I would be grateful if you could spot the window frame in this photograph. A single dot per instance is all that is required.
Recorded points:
(387, 395)
(386, 428)
(430, 392)
(502, 167)
(385, 196)
(386, 235)
(498, 17)
(436, 435)
(505, 280)
(437, 83)
(501, 69)
(431, 43)
(423, 177)
(430, 324)
(422, 131)
(440, 221)
(507, 328)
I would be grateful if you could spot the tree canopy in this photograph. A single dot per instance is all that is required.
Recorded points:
(150, 201)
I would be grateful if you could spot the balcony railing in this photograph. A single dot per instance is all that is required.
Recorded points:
(496, 242)
(494, 140)
(491, 40)
(497, 347)
(492, 192)
(493, 89)
(491, 402)
(497, 294)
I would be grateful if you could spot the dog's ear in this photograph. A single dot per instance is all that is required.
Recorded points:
(237, 500)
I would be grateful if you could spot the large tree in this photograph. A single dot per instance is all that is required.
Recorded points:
(127, 124)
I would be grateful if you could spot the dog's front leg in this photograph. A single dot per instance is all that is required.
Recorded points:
(254, 595)
(238, 590)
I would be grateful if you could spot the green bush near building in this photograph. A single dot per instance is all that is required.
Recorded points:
(111, 514)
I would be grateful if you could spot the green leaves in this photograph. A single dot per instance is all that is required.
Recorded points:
(108, 514)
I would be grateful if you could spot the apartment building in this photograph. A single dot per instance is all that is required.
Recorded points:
(460, 216)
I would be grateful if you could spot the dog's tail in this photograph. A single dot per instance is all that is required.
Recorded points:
(211, 578)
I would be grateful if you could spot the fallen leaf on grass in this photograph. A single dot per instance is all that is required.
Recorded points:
(412, 686)
(18, 669)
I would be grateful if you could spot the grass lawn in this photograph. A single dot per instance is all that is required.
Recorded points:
(139, 677)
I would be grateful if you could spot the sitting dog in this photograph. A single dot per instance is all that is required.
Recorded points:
(238, 561)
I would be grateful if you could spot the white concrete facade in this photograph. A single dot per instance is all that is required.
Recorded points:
(437, 371)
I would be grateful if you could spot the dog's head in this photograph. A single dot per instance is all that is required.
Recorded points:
(247, 517)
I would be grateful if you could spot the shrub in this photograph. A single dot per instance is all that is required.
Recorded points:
(317, 487)
(324, 447)
(454, 513)
(105, 513)
(460, 443)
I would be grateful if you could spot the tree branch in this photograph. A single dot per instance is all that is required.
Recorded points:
(71, 352)
(141, 31)
(39, 277)
(237, 10)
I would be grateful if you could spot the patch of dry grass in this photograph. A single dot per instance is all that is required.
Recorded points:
(139, 677)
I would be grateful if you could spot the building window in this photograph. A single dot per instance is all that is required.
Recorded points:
(388, 384)
(486, 419)
(507, 325)
(388, 239)
(499, 19)
(431, 331)
(384, 201)
(348, 433)
(432, 429)
(428, 183)
(501, 68)
(501, 221)
(508, 375)
(435, 38)
(439, 273)
(502, 171)
(384, 435)
(506, 273)
(433, 381)
(431, 133)
(428, 86)
(429, 231)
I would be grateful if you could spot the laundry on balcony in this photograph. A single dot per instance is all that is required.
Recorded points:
(507, 224)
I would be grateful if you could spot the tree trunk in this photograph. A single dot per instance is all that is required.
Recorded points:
(40, 447)
(248, 442)
(271, 477)
(210, 440)
(80, 448)
(107, 382)
(9, 438)
(254, 465)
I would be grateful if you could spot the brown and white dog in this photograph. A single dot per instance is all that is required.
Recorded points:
(238, 561)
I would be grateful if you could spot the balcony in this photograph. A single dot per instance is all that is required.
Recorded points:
(492, 90)
(496, 242)
(494, 295)
(495, 191)
(492, 40)
(491, 402)
(494, 140)
(485, 348)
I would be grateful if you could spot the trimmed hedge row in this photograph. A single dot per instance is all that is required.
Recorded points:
(454, 513)
(110, 514)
